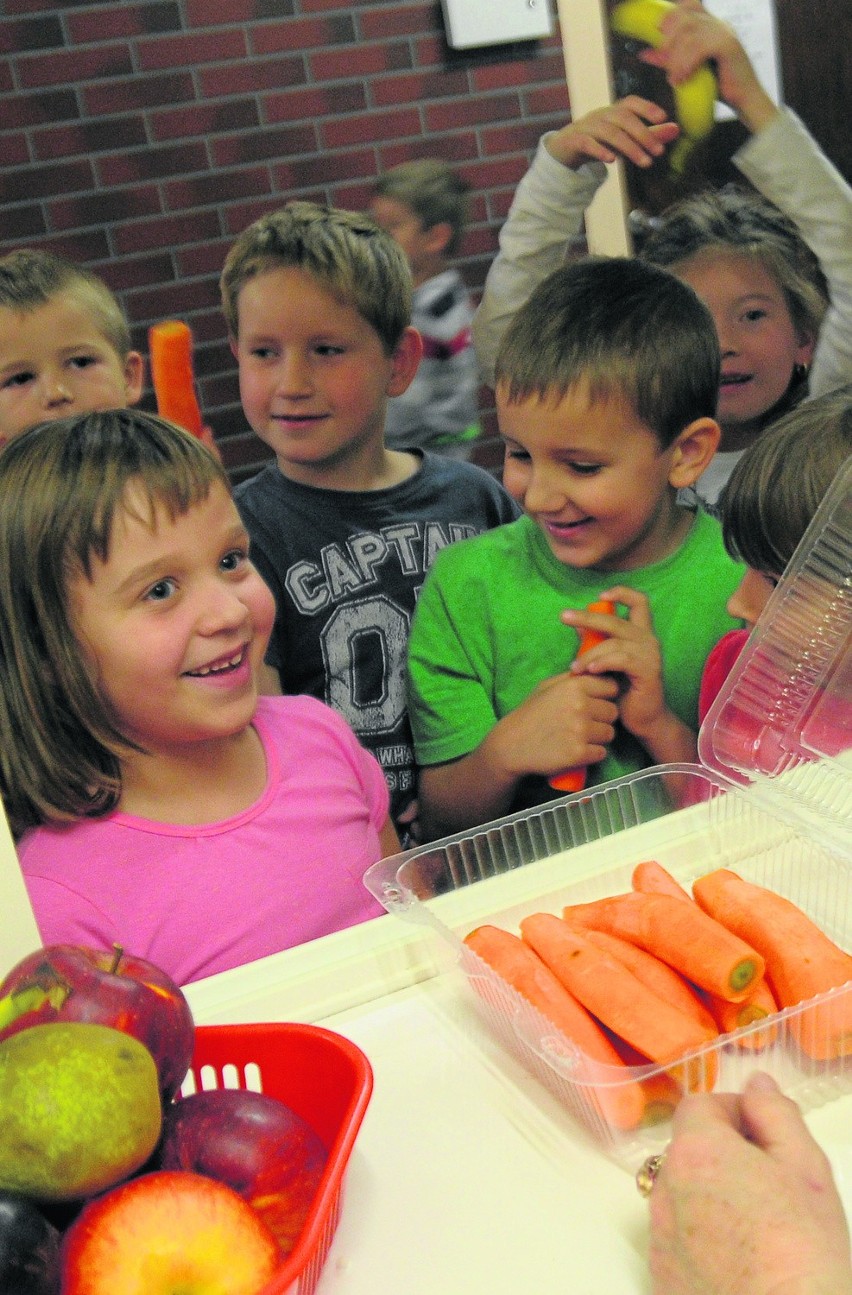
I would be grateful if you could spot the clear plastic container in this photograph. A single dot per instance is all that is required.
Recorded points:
(771, 799)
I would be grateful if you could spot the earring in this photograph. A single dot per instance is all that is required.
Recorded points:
(800, 372)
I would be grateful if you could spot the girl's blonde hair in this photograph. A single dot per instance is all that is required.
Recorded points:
(744, 223)
(61, 486)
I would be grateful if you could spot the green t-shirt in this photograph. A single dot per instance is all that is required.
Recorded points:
(487, 631)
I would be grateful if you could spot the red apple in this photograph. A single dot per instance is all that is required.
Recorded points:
(254, 1143)
(66, 982)
(168, 1232)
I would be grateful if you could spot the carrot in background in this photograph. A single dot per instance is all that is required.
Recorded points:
(516, 963)
(614, 995)
(170, 347)
(801, 960)
(575, 779)
(679, 933)
(651, 878)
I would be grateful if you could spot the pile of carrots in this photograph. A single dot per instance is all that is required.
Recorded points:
(652, 976)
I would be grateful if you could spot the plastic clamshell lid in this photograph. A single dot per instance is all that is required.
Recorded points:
(781, 726)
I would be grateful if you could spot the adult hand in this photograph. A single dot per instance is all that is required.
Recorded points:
(745, 1202)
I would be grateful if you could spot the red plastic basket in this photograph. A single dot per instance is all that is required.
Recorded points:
(322, 1077)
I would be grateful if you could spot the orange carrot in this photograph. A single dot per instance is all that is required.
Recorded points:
(651, 878)
(701, 949)
(661, 1090)
(612, 993)
(667, 983)
(732, 1016)
(801, 960)
(575, 779)
(170, 345)
(623, 1105)
(655, 975)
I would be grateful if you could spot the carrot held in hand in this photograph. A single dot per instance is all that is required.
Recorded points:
(170, 346)
(575, 779)
(682, 935)
(613, 994)
(623, 1104)
(801, 960)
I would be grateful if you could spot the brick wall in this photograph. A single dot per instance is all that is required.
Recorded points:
(141, 137)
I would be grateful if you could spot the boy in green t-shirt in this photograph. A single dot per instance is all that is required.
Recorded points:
(606, 387)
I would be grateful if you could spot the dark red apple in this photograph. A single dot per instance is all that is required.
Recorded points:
(66, 982)
(254, 1143)
(168, 1232)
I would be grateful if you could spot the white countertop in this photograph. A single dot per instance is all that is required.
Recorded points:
(467, 1174)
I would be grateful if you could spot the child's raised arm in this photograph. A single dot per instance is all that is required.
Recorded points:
(550, 203)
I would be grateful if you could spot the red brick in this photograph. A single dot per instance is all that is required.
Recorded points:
(147, 92)
(205, 119)
(443, 116)
(15, 149)
(519, 137)
(173, 301)
(90, 136)
(396, 20)
(519, 72)
(136, 272)
(30, 33)
(215, 188)
(372, 126)
(62, 67)
(416, 86)
(251, 76)
(190, 49)
(303, 34)
(103, 208)
(254, 146)
(362, 60)
(203, 258)
(44, 181)
(166, 231)
(87, 248)
(315, 101)
(18, 224)
(227, 11)
(152, 163)
(547, 100)
(116, 20)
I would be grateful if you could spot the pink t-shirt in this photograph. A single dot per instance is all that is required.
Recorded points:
(198, 900)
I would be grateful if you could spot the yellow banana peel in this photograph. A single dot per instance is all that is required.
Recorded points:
(695, 98)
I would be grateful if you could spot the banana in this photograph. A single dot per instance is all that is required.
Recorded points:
(695, 98)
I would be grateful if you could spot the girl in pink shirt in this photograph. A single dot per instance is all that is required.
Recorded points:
(159, 802)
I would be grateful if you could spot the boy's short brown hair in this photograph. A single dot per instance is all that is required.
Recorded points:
(346, 252)
(624, 328)
(433, 190)
(776, 487)
(30, 278)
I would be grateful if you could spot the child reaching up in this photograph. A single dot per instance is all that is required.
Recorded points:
(64, 343)
(160, 802)
(775, 270)
(606, 391)
(766, 507)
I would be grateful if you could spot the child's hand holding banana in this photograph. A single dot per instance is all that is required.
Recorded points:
(684, 39)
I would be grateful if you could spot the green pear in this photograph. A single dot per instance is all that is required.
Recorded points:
(80, 1109)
